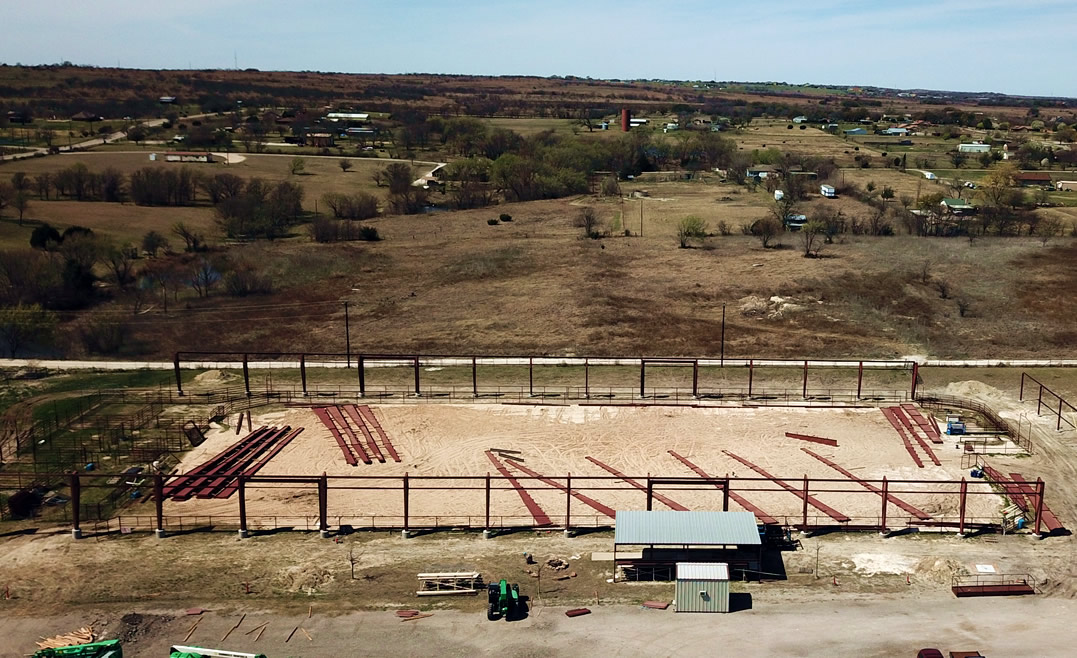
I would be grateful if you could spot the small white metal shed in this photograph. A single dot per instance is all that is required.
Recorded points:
(702, 587)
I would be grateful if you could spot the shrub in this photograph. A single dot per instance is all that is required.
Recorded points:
(493, 222)
(690, 227)
(505, 217)
(245, 281)
(351, 206)
(369, 233)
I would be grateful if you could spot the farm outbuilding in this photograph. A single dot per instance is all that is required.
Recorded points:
(188, 156)
(702, 587)
(975, 147)
(1066, 186)
(670, 537)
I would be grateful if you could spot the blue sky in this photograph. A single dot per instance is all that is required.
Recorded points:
(1011, 46)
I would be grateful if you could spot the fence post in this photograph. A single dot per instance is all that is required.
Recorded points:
(76, 506)
(159, 502)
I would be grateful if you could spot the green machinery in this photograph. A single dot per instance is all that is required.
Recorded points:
(504, 600)
(106, 649)
(179, 651)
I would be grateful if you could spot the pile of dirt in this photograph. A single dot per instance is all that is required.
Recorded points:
(939, 570)
(211, 377)
(772, 308)
(303, 579)
(557, 564)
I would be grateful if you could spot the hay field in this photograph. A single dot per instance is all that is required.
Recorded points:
(449, 440)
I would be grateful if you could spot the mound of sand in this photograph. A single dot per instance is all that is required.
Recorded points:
(211, 377)
(302, 579)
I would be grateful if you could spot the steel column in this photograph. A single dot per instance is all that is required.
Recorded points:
(1021, 393)
(695, 378)
(915, 375)
(642, 377)
(650, 493)
(347, 336)
(159, 500)
(179, 380)
(416, 376)
(474, 377)
(1058, 428)
(303, 371)
(568, 501)
(323, 503)
(487, 526)
(804, 511)
(76, 504)
(531, 376)
(406, 486)
(961, 510)
(859, 380)
(804, 392)
(246, 376)
(242, 504)
(586, 379)
(751, 372)
(1039, 401)
(725, 494)
(362, 377)
(882, 522)
(1040, 486)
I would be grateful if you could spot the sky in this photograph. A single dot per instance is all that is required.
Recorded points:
(1008, 46)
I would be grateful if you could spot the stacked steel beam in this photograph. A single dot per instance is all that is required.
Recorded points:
(217, 477)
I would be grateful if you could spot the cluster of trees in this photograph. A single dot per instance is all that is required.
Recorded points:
(359, 205)
(260, 210)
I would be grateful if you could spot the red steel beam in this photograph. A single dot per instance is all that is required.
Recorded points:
(182, 480)
(672, 504)
(901, 431)
(930, 430)
(353, 413)
(923, 516)
(371, 419)
(1049, 519)
(813, 439)
(323, 416)
(203, 473)
(586, 500)
(1012, 490)
(899, 413)
(342, 423)
(737, 498)
(541, 518)
(811, 500)
(234, 484)
(252, 452)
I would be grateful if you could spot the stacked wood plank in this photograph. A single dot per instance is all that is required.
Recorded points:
(83, 635)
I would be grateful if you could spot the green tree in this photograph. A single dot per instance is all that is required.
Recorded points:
(813, 236)
(344, 164)
(298, 166)
(153, 242)
(887, 193)
(23, 323)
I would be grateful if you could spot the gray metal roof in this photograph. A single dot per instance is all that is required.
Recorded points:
(702, 571)
(672, 528)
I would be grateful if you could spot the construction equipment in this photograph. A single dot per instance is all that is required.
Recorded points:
(179, 651)
(504, 600)
(106, 649)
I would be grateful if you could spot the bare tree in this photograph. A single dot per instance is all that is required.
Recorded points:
(943, 286)
(21, 203)
(191, 240)
(588, 220)
(120, 264)
(353, 558)
(345, 165)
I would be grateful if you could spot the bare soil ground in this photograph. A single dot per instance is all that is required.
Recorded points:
(450, 440)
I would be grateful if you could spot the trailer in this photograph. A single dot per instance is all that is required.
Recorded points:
(828, 191)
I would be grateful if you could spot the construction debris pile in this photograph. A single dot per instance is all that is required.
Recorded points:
(83, 635)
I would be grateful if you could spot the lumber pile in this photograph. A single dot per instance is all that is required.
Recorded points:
(83, 635)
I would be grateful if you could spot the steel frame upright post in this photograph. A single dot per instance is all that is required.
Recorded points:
(362, 375)
(886, 499)
(962, 507)
(303, 372)
(179, 378)
(246, 376)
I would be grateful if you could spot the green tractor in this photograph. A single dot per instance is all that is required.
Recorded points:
(504, 600)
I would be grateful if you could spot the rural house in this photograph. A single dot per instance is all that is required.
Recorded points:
(975, 147)
(1032, 178)
(761, 171)
(957, 207)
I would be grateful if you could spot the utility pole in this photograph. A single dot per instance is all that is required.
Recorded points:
(723, 336)
(347, 335)
(641, 218)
